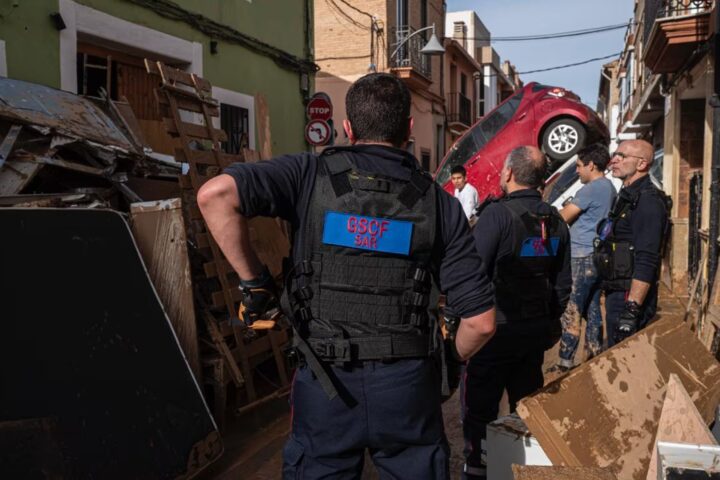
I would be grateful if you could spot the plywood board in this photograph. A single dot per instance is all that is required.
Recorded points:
(679, 422)
(605, 413)
(159, 231)
(269, 242)
(522, 472)
(262, 120)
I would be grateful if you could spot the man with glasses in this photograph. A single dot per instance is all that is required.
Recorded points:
(629, 243)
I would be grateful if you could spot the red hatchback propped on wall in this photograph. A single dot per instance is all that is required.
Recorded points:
(552, 118)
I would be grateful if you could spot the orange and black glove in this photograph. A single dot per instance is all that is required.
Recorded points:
(259, 297)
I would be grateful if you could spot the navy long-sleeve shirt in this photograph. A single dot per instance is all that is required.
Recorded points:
(494, 236)
(282, 186)
(644, 227)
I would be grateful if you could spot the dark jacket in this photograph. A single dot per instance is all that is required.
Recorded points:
(494, 235)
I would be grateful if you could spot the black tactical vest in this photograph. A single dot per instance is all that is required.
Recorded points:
(613, 257)
(361, 284)
(523, 289)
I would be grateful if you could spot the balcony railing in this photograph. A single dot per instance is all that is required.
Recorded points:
(672, 30)
(655, 9)
(408, 55)
(459, 108)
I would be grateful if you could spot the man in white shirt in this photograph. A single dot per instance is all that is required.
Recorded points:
(464, 192)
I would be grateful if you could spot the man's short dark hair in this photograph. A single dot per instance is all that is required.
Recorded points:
(528, 171)
(458, 169)
(597, 153)
(378, 108)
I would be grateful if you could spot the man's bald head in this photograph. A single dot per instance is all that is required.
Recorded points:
(632, 160)
(641, 148)
(528, 166)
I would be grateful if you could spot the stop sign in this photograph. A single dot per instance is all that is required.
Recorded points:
(319, 107)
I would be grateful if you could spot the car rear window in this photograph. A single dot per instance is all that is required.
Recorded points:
(479, 135)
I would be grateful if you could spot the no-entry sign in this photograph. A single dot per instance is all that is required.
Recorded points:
(319, 107)
(317, 132)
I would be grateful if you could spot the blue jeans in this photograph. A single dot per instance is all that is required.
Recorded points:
(396, 418)
(584, 303)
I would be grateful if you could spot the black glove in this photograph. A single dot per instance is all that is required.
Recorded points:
(628, 322)
(259, 297)
(450, 328)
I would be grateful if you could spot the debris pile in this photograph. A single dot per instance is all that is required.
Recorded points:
(74, 153)
(613, 412)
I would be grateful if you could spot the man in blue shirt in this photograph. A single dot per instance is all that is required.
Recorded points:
(591, 204)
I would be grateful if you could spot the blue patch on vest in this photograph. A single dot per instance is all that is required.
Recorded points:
(367, 233)
(535, 247)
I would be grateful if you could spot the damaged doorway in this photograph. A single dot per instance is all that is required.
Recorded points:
(692, 136)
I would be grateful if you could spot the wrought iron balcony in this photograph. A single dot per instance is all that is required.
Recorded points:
(672, 30)
(408, 55)
(459, 109)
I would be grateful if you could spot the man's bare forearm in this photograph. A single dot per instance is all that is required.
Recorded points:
(219, 204)
(638, 291)
(474, 333)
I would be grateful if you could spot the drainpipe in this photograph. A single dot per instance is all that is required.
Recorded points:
(715, 163)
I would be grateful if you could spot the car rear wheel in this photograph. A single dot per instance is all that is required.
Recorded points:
(563, 138)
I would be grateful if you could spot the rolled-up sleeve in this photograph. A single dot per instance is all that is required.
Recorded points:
(648, 226)
(271, 188)
(462, 275)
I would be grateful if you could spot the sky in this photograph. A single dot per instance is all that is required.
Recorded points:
(531, 17)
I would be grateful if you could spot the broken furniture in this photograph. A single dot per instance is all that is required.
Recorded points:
(189, 113)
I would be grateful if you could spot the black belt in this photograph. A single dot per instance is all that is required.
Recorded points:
(382, 347)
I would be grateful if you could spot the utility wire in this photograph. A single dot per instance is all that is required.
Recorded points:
(357, 9)
(559, 67)
(548, 36)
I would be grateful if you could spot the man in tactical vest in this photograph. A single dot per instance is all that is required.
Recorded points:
(374, 239)
(526, 246)
(629, 243)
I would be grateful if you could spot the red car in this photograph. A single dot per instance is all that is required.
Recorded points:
(552, 118)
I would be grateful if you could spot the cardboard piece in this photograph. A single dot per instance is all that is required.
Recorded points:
(605, 413)
(679, 422)
(523, 472)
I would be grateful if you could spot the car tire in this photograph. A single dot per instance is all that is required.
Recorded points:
(563, 138)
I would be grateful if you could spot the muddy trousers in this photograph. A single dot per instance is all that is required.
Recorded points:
(504, 364)
(395, 417)
(584, 303)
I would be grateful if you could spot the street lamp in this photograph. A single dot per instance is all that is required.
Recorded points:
(432, 47)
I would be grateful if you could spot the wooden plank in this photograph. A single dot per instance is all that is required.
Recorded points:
(189, 104)
(185, 182)
(15, 175)
(605, 412)
(193, 130)
(219, 341)
(262, 120)
(159, 231)
(206, 157)
(211, 270)
(8, 142)
(680, 422)
(529, 472)
(218, 298)
(194, 212)
(251, 156)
